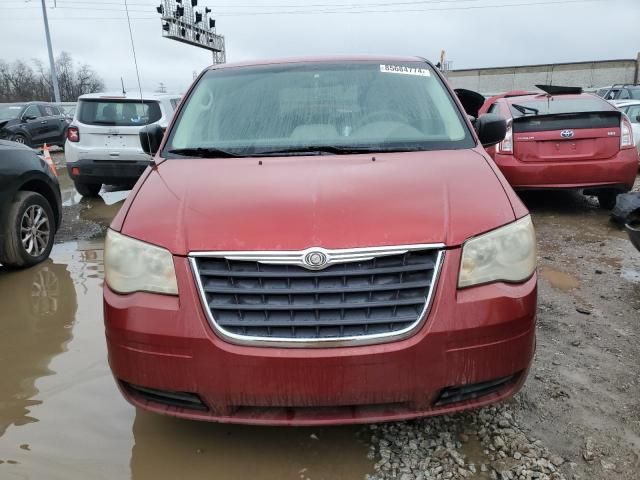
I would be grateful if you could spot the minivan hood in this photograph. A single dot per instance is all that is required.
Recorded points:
(292, 203)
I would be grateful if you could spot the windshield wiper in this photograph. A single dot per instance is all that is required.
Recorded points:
(523, 110)
(204, 152)
(324, 149)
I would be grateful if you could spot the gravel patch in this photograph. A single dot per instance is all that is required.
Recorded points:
(481, 444)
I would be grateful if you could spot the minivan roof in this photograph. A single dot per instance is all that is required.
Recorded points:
(129, 96)
(321, 59)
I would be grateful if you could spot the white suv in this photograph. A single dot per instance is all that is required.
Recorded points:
(103, 144)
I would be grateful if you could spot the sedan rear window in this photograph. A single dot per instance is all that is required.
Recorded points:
(347, 106)
(121, 113)
(559, 105)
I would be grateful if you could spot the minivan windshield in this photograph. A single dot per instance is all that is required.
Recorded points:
(316, 108)
(120, 113)
(10, 111)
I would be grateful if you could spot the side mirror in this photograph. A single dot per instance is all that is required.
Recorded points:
(491, 129)
(151, 138)
(26, 118)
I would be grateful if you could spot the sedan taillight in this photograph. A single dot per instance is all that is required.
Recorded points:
(626, 133)
(73, 134)
(506, 146)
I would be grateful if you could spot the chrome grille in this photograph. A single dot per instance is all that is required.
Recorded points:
(384, 295)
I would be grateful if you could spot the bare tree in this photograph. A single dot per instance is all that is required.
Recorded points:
(20, 81)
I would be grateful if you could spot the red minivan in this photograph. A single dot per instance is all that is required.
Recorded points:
(565, 139)
(320, 241)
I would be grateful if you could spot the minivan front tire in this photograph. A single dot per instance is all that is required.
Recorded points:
(88, 189)
(30, 231)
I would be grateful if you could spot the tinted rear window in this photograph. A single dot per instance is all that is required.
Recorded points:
(118, 112)
(559, 105)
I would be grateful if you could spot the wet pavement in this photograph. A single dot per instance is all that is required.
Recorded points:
(61, 416)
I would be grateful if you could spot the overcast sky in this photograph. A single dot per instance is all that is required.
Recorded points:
(531, 31)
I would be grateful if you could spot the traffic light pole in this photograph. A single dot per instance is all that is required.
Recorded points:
(54, 76)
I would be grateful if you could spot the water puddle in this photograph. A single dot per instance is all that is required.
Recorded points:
(559, 280)
(61, 416)
(474, 454)
(630, 275)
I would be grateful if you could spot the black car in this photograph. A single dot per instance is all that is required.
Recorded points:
(33, 124)
(30, 206)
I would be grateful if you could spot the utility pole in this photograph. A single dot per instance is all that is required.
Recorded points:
(52, 65)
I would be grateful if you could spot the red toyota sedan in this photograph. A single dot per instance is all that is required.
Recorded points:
(320, 241)
(565, 139)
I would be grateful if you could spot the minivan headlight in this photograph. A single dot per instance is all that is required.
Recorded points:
(507, 254)
(134, 266)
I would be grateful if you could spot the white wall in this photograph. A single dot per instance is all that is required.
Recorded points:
(586, 75)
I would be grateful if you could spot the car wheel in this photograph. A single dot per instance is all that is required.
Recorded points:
(88, 189)
(30, 231)
(607, 199)
(19, 138)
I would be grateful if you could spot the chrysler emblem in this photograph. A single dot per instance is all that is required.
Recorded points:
(315, 259)
(566, 133)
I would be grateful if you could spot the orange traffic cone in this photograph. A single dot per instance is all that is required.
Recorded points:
(47, 158)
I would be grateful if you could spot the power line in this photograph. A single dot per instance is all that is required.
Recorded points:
(328, 8)
(334, 11)
(313, 5)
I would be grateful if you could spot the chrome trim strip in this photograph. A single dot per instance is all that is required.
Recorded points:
(316, 342)
(333, 257)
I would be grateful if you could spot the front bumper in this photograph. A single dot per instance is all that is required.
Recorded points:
(618, 172)
(110, 172)
(470, 336)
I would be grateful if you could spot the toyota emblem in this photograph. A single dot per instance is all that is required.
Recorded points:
(315, 259)
(566, 133)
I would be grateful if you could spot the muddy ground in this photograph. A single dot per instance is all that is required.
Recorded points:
(61, 416)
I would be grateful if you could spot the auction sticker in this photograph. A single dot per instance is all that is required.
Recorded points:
(405, 70)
